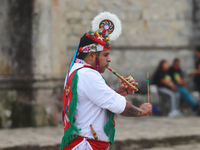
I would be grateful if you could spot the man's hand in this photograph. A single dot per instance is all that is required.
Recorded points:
(133, 111)
(146, 109)
(124, 89)
(173, 87)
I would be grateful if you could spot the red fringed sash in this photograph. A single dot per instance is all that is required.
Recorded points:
(95, 144)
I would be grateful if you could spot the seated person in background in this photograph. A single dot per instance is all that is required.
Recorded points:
(196, 73)
(177, 77)
(166, 87)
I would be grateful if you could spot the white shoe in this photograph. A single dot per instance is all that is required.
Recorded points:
(178, 112)
(172, 114)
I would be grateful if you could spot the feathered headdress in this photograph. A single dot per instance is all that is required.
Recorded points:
(105, 27)
(109, 22)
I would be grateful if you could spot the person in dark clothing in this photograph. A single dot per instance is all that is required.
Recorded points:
(196, 73)
(166, 87)
(177, 76)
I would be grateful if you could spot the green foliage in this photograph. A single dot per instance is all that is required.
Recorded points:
(22, 115)
(6, 102)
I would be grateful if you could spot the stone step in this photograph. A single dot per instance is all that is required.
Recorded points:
(131, 133)
(152, 143)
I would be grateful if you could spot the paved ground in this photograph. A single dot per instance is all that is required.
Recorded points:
(156, 127)
(194, 146)
(136, 129)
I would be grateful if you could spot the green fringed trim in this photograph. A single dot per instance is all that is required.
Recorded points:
(109, 129)
(72, 131)
(73, 103)
(105, 80)
(68, 137)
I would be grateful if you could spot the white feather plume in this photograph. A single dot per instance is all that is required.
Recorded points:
(108, 16)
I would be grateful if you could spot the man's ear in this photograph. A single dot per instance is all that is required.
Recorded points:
(91, 56)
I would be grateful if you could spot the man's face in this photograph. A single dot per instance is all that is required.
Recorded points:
(198, 54)
(104, 60)
(176, 65)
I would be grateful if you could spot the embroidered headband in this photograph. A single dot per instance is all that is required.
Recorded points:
(91, 48)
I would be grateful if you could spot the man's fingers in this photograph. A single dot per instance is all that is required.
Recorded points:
(150, 110)
(130, 89)
(130, 81)
(149, 114)
(134, 83)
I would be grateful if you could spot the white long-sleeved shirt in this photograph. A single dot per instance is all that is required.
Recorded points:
(95, 98)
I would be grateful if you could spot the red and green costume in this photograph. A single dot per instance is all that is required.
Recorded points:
(71, 132)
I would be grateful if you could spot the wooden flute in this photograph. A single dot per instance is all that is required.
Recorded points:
(115, 73)
(93, 132)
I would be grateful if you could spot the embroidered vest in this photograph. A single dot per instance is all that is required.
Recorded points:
(69, 108)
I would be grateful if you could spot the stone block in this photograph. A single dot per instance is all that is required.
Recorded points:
(91, 6)
(133, 15)
(74, 5)
(164, 14)
(74, 40)
(156, 33)
(78, 30)
(73, 14)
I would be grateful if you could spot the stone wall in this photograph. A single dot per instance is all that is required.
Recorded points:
(32, 61)
(49, 64)
(196, 22)
(16, 59)
(5, 43)
(36, 34)
(151, 30)
(146, 23)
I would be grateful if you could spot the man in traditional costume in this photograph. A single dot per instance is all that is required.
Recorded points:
(89, 102)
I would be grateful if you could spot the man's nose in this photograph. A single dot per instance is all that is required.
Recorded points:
(109, 60)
